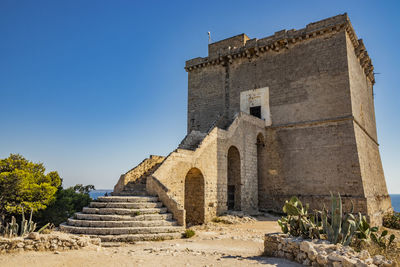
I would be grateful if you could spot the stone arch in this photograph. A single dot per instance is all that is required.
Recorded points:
(234, 179)
(194, 197)
(261, 168)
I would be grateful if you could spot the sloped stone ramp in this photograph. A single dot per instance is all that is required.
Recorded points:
(124, 219)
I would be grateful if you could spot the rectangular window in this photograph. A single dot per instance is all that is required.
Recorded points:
(255, 111)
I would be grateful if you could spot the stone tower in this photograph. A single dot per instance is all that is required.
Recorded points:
(313, 87)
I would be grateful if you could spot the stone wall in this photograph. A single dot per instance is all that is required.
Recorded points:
(42, 242)
(140, 172)
(323, 133)
(241, 134)
(173, 171)
(210, 159)
(311, 160)
(319, 252)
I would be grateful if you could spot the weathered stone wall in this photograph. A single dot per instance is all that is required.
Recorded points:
(194, 197)
(375, 190)
(210, 159)
(242, 134)
(320, 82)
(43, 242)
(173, 171)
(362, 101)
(319, 252)
(205, 97)
(307, 78)
(310, 161)
(361, 88)
(141, 171)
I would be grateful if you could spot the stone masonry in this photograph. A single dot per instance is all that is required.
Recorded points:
(322, 137)
(287, 115)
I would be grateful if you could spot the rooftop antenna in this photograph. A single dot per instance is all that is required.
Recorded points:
(209, 37)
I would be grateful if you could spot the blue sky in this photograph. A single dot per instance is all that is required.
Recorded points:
(91, 88)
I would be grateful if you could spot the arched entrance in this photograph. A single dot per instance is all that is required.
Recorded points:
(260, 168)
(194, 197)
(234, 179)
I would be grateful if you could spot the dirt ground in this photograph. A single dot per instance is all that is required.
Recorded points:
(215, 244)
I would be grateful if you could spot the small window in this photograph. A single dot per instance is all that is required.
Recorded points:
(255, 111)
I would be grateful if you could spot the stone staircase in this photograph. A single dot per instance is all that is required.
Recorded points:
(137, 188)
(124, 219)
(192, 140)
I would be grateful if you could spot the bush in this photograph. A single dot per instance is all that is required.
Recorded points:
(392, 220)
(67, 202)
(189, 233)
(24, 184)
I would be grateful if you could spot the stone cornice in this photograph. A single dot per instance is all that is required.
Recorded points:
(285, 40)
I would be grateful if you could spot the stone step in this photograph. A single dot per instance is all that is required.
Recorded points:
(119, 224)
(142, 217)
(138, 237)
(126, 205)
(132, 193)
(135, 199)
(118, 211)
(137, 186)
(119, 230)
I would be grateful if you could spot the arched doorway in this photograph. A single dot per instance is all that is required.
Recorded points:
(260, 168)
(194, 197)
(234, 179)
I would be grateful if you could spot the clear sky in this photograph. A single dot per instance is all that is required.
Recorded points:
(93, 87)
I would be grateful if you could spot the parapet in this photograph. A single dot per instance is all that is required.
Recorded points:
(227, 50)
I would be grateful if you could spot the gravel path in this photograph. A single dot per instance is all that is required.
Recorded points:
(216, 244)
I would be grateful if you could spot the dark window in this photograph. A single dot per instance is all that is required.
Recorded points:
(231, 197)
(256, 111)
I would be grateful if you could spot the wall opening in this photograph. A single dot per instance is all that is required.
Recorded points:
(234, 179)
(256, 111)
(260, 168)
(256, 102)
(194, 197)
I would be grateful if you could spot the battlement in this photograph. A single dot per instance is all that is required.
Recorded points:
(241, 46)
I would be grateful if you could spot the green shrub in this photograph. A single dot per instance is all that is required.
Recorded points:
(189, 233)
(24, 184)
(392, 220)
(67, 202)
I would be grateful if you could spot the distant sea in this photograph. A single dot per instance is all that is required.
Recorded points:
(395, 202)
(101, 192)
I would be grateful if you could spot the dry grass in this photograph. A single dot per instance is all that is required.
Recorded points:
(391, 253)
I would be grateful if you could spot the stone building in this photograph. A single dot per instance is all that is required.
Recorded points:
(291, 114)
(288, 115)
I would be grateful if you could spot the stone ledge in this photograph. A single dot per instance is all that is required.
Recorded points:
(46, 242)
(318, 252)
(282, 40)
